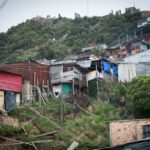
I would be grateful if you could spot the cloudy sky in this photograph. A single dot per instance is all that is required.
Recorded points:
(17, 11)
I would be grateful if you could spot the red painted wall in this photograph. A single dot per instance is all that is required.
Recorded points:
(10, 82)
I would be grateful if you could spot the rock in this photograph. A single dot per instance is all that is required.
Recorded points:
(9, 121)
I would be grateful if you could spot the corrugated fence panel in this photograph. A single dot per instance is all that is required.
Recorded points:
(10, 82)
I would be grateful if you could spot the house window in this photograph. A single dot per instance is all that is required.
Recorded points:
(146, 131)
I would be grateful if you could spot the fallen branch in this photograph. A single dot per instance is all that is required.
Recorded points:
(9, 139)
(46, 134)
(42, 141)
(17, 142)
(34, 146)
(86, 111)
(24, 130)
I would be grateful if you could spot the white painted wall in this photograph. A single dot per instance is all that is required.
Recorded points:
(126, 72)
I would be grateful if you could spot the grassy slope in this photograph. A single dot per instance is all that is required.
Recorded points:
(91, 131)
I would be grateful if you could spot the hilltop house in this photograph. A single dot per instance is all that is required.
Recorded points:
(118, 51)
(69, 80)
(143, 22)
(131, 10)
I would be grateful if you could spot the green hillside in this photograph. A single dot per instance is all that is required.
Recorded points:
(59, 37)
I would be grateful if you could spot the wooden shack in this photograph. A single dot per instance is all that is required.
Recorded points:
(10, 89)
(35, 76)
(30, 70)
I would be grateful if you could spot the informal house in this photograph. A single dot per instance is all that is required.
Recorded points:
(10, 90)
(33, 75)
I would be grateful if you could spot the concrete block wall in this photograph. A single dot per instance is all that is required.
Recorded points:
(126, 131)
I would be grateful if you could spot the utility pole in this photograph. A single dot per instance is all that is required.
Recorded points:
(97, 81)
(88, 15)
(127, 37)
(133, 3)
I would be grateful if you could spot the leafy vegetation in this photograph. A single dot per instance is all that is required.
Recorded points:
(59, 37)
(91, 126)
(139, 95)
(92, 131)
(8, 130)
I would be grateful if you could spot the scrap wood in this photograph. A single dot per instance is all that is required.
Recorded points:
(73, 146)
(24, 130)
(86, 111)
(17, 142)
(34, 146)
(9, 139)
(46, 134)
(42, 141)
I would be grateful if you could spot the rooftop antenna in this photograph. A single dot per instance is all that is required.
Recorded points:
(87, 8)
(133, 3)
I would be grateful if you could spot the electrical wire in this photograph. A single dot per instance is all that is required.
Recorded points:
(3, 4)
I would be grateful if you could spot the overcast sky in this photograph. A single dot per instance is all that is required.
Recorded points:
(17, 11)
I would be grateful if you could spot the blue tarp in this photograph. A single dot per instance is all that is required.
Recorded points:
(106, 67)
(115, 70)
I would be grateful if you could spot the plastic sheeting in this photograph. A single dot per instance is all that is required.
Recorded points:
(106, 67)
(57, 88)
(115, 70)
(93, 75)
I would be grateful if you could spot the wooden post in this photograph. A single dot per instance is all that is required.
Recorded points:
(61, 109)
(87, 83)
(127, 37)
(141, 32)
(34, 86)
(48, 88)
(97, 81)
(135, 34)
(61, 101)
(73, 85)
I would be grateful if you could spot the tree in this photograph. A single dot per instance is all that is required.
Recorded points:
(139, 94)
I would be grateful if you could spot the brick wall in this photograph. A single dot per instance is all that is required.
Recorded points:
(122, 132)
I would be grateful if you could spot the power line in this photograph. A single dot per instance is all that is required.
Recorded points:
(3, 4)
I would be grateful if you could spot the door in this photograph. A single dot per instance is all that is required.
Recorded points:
(1, 100)
(10, 100)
